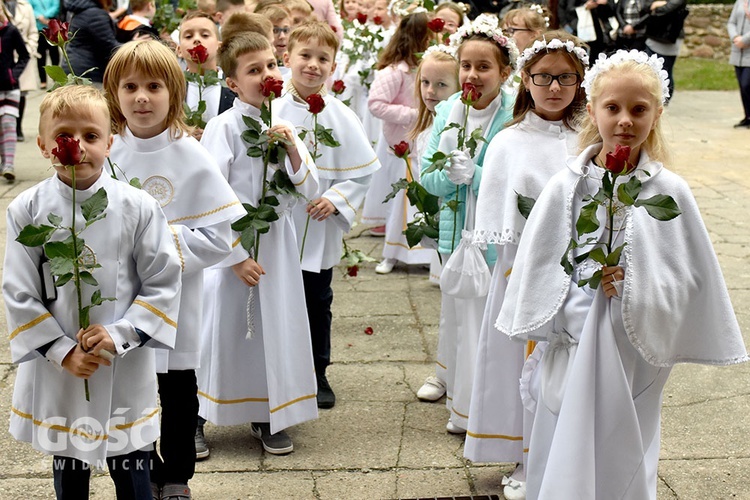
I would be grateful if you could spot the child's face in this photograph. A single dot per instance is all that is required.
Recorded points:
(520, 33)
(144, 101)
(479, 65)
(221, 17)
(252, 69)
(198, 31)
(625, 112)
(351, 7)
(452, 20)
(365, 7)
(93, 132)
(380, 9)
(311, 63)
(298, 17)
(551, 101)
(281, 37)
(437, 82)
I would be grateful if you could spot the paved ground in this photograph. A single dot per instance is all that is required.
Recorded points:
(380, 442)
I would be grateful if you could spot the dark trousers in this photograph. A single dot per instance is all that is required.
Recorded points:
(743, 78)
(629, 43)
(668, 67)
(130, 473)
(319, 297)
(45, 48)
(178, 395)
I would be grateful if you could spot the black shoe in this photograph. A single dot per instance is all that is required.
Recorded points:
(326, 397)
(276, 444)
(20, 137)
(745, 123)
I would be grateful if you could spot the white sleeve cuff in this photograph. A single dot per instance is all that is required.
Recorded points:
(59, 349)
(124, 336)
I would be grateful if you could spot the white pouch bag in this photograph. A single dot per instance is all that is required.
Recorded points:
(585, 26)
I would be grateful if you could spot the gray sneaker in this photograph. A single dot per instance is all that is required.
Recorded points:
(201, 448)
(9, 173)
(275, 444)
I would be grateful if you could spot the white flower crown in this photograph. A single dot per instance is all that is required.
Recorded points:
(403, 8)
(486, 25)
(539, 10)
(604, 64)
(553, 44)
(451, 51)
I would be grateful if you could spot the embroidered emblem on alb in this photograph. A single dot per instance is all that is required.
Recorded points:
(160, 189)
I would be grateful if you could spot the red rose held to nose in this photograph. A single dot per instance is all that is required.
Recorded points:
(377, 20)
(198, 54)
(56, 32)
(352, 271)
(436, 25)
(362, 18)
(271, 86)
(68, 150)
(469, 94)
(617, 162)
(401, 149)
(315, 103)
(338, 87)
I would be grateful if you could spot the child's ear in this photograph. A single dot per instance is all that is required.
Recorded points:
(109, 145)
(286, 58)
(505, 73)
(333, 67)
(42, 147)
(231, 84)
(590, 111)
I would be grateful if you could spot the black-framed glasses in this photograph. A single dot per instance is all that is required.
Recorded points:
(512, 31)
(545, 79)
(277, 31)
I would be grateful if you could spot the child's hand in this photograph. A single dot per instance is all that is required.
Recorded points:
(248, 271)
(95, 339)
(284, 134)
(321, 209)
(610, 275)
(82, 364)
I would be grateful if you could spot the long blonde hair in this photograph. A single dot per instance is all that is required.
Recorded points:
(424, 115)
(655, 144)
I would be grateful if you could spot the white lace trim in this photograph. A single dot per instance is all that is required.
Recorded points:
(506, 237)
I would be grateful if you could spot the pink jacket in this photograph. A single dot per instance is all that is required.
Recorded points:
(392, 100)
(326, 12)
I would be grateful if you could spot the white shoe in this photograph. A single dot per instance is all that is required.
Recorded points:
(453, 428)
(386, 266)
(432, 389)
(514, 489)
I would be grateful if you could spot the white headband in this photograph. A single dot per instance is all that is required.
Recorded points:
(553, 44)
(604, 64)
(539, 10)
(486, 25)
(447, 49)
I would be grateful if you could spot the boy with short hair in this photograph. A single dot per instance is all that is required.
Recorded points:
(140, 271)
(241, 22)
(299, 10)
(137, 22)
(225, 8)
(344, 171)
(282, 26)
(266, 376)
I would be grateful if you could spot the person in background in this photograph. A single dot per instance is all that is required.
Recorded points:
(632, 16)
(664, 34)
(94, 40)
(138, 22)
(21, 14)
(738, 27)
(326, 12)
(44, 12)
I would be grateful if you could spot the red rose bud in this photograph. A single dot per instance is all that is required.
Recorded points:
(315, 103)
(338, 87)
(271, 87)
(362, 18)
(369, 330)
(56, 32)
(198, 54)
(401, 149)
(334, 28)
(377, 20)
(68, 150)
(617, 162)
(352, 271)
(469, 94)
(436, 25)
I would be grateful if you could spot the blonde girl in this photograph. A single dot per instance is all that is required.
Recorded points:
(520, 159)
(525, 24)
(597, 390)
(452, 14)
(486, 58)
(146, 89)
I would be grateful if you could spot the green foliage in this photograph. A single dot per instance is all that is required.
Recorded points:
(525, 204)
(704, 74)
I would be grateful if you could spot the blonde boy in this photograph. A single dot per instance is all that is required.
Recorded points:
(242, 22)
(345, 173)
(299, 10)
(266, 377)
(140, 272)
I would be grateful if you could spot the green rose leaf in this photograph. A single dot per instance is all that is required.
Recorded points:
(614, 257)
(34, 236)
(60, 249)
(587, 221)
(95, 205)
(61, 266)
(525, 204)
(660, 207)
(628, 192)
(87, 277)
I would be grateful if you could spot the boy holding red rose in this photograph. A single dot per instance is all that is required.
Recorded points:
(344, 178)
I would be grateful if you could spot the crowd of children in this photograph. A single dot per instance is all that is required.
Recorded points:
(210, 248)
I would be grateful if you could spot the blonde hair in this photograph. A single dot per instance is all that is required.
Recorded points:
(300, 5)
(655, 144)
(239, 45)
(72, 99)
(155, 60)
(274, 13)
(461, 9)
(198, 14)
(530, 18)
(244, 22)
(424, 115)
(313, 30)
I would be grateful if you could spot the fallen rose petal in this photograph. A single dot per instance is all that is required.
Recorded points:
(369, 330)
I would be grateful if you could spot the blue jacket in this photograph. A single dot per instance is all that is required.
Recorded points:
(437, 182)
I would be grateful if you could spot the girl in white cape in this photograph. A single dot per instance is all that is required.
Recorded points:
(520, 159)
(598, 388)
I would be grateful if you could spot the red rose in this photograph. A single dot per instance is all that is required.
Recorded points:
(271, 87)
(56, 32)
(617, 162)
(362, 18)
(469, 94)
(436, 25)
(401, 149)
(198, 54)
(369, 330)
(338, 87)
(316, 103)
(334, 28)
(377, 20)
(352, 271)
(68, 150)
